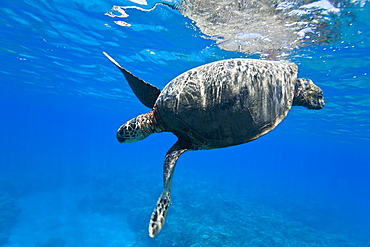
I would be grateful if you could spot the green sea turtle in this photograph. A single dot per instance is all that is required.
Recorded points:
(216, 105)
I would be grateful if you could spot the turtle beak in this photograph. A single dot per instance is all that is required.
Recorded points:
(121, 135)
(120, 139)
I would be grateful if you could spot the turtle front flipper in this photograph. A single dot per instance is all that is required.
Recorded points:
(160, 211)
(145, 92)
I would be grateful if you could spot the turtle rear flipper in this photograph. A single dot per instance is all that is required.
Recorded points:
(159, 214)
(160, 211)
(145, 92)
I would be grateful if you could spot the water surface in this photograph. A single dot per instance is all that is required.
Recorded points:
(66, 181)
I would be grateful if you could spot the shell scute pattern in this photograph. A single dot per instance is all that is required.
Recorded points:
(250, 98)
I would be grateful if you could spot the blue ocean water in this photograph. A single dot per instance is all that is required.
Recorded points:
(66, 181)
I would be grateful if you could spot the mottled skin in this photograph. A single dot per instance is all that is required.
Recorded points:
(216, 105)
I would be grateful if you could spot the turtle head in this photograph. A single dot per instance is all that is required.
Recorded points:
(307, 94)
(137, 128)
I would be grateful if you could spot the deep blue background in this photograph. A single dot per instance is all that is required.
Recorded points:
(62, 101)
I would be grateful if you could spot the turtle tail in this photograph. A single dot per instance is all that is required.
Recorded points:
(159, 214)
